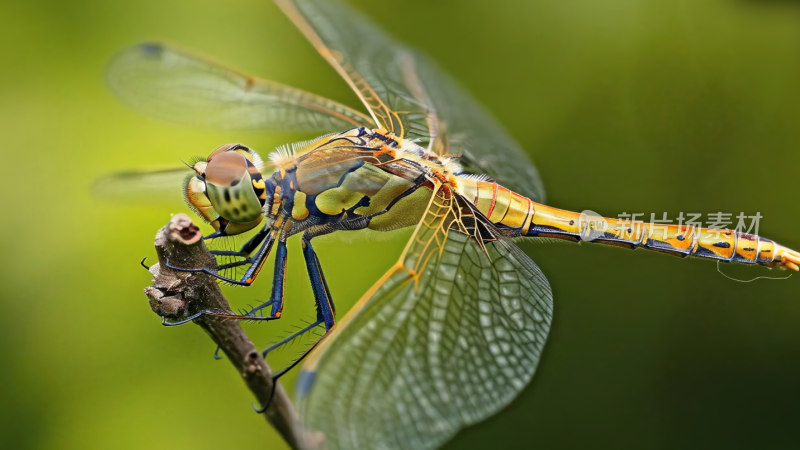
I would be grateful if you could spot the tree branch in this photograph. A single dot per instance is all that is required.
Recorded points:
(177, 295)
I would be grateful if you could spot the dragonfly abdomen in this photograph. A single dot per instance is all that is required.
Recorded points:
(678, 240)
(517, 215)
(506, 209)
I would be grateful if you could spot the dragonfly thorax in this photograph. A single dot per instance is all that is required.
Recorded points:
(227, 189)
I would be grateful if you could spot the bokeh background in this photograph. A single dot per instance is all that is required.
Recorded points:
(625, 105)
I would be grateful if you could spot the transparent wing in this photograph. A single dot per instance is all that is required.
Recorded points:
(142, 186)
(447, 337)
(367, 59)
(177, 86)
(407, 94)
(468, 131)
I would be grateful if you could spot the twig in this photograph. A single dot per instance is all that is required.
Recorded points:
(177, 295)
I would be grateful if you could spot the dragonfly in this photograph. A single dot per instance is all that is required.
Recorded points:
(454, 330)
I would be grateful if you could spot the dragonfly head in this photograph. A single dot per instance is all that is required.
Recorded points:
(227, 190)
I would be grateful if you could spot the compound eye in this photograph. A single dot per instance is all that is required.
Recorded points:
(226, 169)
(222, 149)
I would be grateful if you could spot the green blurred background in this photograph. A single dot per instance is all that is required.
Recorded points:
(625, 105)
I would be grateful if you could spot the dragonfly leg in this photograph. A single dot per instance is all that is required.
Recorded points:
(276, 299)
(305, 353)
(257, 309)
(216, 313)
(325, 312)
(291, 337)
(214, 235)
(278, 282)
(250, 314)
(205, 312)
(255, 262)
(291, 366)
(183, 321)
(228, 253)
(322, 298)
(243, 252)
(246, 249)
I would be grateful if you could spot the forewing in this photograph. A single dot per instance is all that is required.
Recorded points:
(142, 186)
(175, 85)
(447, 337)
(409, 95)
(376, 67)
(467, 130)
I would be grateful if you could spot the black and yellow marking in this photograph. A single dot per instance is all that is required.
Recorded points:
(276, 201)
(260, 189)
(299, 209)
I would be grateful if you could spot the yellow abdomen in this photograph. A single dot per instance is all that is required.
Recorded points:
(518, 216)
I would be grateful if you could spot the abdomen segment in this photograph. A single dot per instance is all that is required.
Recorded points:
(520, 216)
(679, 240)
